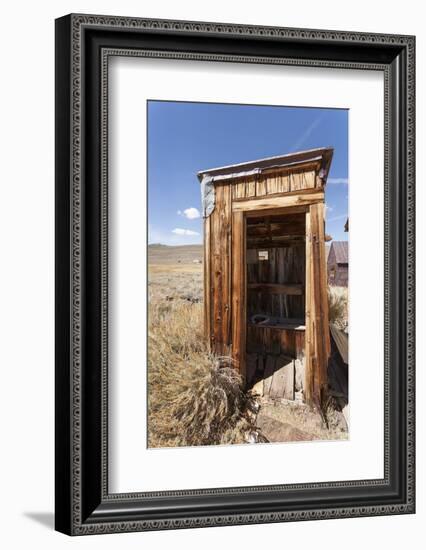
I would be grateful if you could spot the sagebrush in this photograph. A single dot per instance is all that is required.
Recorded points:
(338, 306)
(194, 398)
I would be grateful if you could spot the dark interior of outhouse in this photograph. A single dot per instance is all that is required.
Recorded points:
(276, 271)
(276, 257)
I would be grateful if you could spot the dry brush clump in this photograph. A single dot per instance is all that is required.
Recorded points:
(338, 306)
(193, 397)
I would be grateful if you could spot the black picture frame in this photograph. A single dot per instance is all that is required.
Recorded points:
(83, 45)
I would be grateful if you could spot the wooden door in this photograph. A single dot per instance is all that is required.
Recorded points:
(317, 341)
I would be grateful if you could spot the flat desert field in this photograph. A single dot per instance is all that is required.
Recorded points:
(175, 272)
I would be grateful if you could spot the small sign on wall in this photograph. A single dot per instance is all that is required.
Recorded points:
(263, 255)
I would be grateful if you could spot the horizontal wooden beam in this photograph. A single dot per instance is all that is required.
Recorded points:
(258, 244)
(249, 214)
(282, 201)
(283, 324)
(293, 289)
(277, 230)
(296, 192)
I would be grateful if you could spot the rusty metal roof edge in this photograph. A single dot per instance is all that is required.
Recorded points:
(300, 157)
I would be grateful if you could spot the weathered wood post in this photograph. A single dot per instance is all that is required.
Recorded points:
(317, 323)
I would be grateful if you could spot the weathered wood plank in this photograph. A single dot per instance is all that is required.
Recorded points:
(295, 289)
(251, 366)
(207, 283)
(323, 282)
(272, 184)
(260, 366)
(278, 193)
(288, 324)
(238, 291)
(251, 188)
(275, 242)
(295, 181)
(309, 332)
(282, 229)
(288, 343)
(284, 201)
(319, 344)
(277, 211)
(316, 309)
(341, 340)
(284, 183)
(285, 170)
(283, 379)
(225, 239)
(308, 180)
(269, 373)
(299, 345)
(217, 274)
(261, 187)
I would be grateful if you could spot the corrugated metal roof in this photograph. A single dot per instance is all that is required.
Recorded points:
(322, 154)
(341, 250)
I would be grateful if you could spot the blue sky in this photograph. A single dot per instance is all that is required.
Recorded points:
(184, 138)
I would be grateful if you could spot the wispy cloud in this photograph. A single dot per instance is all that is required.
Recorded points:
(190, 213)
(337, 181)
(186, 232)
(307, 133)
(328, 208)
(337, 218)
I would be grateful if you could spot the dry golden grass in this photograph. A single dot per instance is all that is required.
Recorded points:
(193, 398)
(338, 306)
(175, 282)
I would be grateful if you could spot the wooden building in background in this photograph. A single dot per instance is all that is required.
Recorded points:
(338, 264)
(265, 279)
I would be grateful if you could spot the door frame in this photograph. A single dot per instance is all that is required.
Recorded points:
(239, 270)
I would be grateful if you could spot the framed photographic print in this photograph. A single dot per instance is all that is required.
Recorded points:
(234, 274)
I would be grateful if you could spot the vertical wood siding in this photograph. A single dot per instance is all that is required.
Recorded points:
(218, 248)
(273, 184)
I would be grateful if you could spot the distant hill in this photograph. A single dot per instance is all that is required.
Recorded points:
(186, 254)
(163, 254)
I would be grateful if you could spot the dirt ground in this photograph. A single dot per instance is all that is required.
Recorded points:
(293, 421)
(176, 276)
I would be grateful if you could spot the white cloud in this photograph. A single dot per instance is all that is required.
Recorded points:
(328, 208)
(188, 232)
(337, 181)
(157, 235)
(190, 213)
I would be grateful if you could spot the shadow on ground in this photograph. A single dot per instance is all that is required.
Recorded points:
(47, 519)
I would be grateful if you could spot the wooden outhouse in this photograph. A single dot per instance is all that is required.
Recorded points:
(265, 280)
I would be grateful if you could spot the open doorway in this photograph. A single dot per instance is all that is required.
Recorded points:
(275, 303)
